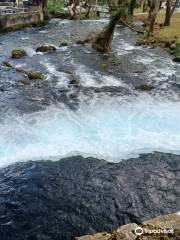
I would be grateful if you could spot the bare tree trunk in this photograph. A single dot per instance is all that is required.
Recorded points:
(168, 13)
(154, 8)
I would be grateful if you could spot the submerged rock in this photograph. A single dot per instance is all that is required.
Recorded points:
(25, 82)
(74, 82)
(80, 42)
(78, 196)
(144, 87)
(8, 64)
(18, 53)
(177, 52)
(30, 74)
(63, 44)
(46, 48)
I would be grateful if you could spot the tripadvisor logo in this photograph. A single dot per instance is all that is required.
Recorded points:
(138, 231)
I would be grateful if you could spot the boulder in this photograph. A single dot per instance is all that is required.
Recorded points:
(46, 48)
(18, 53)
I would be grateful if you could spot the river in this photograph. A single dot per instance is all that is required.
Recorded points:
(105, 116)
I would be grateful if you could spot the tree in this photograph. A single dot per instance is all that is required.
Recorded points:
(154, 8)
(132, 6)
(170, 7)
(103, 40)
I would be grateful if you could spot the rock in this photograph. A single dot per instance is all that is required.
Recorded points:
(18, 53)
(30, 74)
(173, 46)
(144, 87)
(127, 232)
(63, 44)
(35, 75)
(46, 48)
(74, 82)
(25, 82)
(176, 59)
(8, 64)
(80, 42)
(76, 196)
(177, 52)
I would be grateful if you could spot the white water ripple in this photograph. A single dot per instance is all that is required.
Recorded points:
(111, 130)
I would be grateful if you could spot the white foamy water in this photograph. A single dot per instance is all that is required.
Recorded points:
(111, 130)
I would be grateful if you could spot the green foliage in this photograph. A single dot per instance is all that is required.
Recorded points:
(54, 6)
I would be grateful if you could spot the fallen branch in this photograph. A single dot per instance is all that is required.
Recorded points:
(130, 27)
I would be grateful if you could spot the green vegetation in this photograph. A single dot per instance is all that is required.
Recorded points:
(54, 6)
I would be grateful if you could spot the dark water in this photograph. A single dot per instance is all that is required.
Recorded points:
(104, 116)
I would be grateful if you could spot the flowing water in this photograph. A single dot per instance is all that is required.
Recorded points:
(105, 116)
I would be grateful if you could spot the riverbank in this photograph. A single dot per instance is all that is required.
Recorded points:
(164, 37)
(165, 227)
(15, 21)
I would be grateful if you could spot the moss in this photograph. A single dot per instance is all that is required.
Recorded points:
(18, 53)
(115, 60)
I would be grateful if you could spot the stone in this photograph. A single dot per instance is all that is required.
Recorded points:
(34, 75)
(74, 82)
(25, 82)
(144, 87)
(18, 53)
(173, 46)
(63, 44)
(127, 232)
(80, 42)
(30, 74)
(176, 59)
(46, 48)
(7, 64)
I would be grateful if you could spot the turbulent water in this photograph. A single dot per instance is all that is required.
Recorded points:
(105, 116)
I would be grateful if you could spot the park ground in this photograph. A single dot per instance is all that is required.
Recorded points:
(163, 33)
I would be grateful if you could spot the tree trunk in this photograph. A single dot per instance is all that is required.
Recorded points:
(168, 13)
(131, 7)
(154, 8)
(103, 40)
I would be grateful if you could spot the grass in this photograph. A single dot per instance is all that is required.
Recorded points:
(171, 32)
